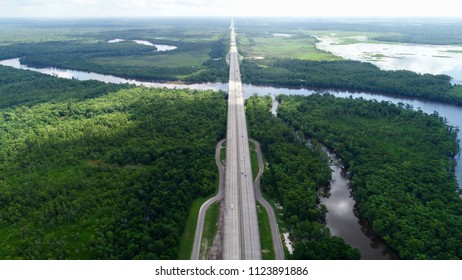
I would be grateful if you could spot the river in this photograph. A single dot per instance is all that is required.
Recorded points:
(341, 219)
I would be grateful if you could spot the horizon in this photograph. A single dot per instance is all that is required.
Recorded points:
(372, 18)
(226, 8)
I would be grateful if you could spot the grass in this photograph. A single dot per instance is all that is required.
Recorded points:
(300, 46)
(187, 239)
(281, 224)
(267, 246)
(180, 59)
(210, 227)
(351, 37)
(281, 47)
(223, 153)
(456, 91)
(253, 159)
(453, 51)
(17, 34)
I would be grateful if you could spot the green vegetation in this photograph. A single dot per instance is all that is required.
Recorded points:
(269, 46)
(294, 176)
(456, 92)
(223, 153)
(453, 51)
(193, 58)
(267, 246)
(440, 31)
(295, 62)
(82, 45)
(402, 168)
(187, 238)
(27, 88)
(352, 75)
(254, 160)
(95, 174)
(210, 226)
(192, 62)
(100, 171)
(435, 33)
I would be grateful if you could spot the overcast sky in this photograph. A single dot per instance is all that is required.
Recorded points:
(130, 8)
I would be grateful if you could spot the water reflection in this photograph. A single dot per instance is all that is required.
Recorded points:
(430, 59)
(343, 219)
(84, 76)
(159, 47)
(451, 112)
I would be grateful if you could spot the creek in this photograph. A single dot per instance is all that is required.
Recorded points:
(342, 219)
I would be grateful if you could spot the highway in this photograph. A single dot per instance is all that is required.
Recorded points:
(219, 196)
(241, 237)
(276, 236)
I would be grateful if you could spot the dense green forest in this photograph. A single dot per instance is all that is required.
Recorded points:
(202, 46)
(349, 75)
(293, 178)
(401, 164)
(95, 174)
(92, 55)
(28, 88)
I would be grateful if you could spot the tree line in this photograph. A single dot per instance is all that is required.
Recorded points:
(349, 75)
(401, 163)
(106, 176)
(80, 55)
(293, 178)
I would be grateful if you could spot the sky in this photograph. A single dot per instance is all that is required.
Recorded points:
(233, 8)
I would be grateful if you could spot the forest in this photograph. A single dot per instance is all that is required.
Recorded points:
(293, 178)
(349, 75)
(201, 53)
(401, 163)
(90, 55)
(101, 171)
(90, 170)
(28, 88)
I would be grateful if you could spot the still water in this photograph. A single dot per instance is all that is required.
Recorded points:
(451, 112)
(159, 47)
(432, 59)
(342, 218)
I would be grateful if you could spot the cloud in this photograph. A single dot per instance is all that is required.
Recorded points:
(224, 8)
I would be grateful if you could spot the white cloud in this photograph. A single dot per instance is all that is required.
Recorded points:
(226, 8)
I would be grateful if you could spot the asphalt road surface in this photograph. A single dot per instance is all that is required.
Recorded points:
(277, 242)
(201, 216)
(241, 237)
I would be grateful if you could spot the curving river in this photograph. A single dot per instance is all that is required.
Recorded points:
(342, 218)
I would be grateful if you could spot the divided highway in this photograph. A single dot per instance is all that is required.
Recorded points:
(241, 237)
(203, 210)
(277, 243)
